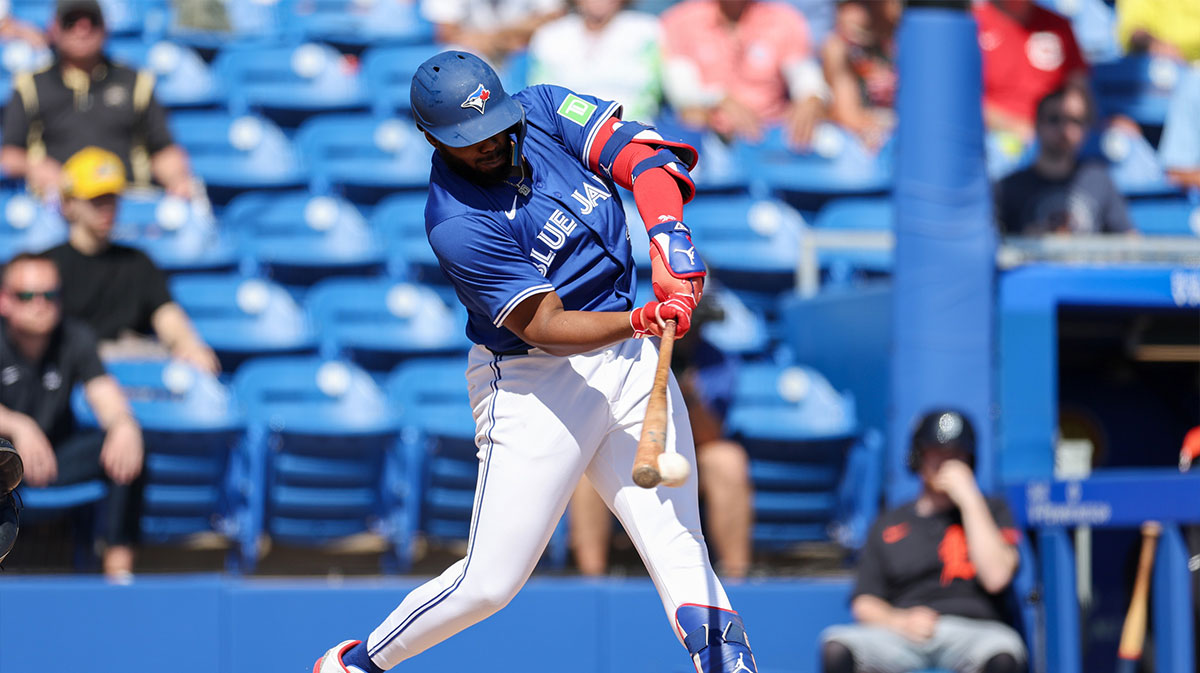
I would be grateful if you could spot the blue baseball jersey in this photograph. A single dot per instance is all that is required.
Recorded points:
(499, 247)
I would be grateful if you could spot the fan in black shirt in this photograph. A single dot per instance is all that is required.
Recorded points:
(932, 571)
(116, 290)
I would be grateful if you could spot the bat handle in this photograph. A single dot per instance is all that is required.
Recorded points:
(654, 426)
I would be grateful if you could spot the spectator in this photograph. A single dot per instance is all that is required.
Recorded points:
(859, 59)
(922, 606)
(605, 48)
(1028, 51)
(42, 357)
(493, 29)
(1179, 146)
(116, 290)
(1060, 193)
(1160, 27)
(706, 378)
(738, 66)
(84, 99)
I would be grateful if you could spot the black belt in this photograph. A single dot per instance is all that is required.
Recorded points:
(515, 351)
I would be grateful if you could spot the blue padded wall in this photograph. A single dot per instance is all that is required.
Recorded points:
(945, 238)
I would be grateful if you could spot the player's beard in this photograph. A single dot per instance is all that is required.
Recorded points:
(485, 176)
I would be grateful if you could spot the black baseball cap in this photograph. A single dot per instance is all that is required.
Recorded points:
(89, 7)
(947, 428)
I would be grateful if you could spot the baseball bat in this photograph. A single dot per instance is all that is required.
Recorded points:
(1133, 633)
(654, 427)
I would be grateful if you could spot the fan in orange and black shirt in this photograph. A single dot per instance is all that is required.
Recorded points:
(929, 591)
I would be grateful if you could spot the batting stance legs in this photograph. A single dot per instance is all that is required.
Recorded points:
(541, 421)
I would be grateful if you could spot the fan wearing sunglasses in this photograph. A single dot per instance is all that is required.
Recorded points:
(1060, 193)
(42, 357)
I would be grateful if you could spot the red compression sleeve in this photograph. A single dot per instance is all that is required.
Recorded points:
(656, 192)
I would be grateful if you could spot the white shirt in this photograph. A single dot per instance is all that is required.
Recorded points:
(483, 14)
(621, 62)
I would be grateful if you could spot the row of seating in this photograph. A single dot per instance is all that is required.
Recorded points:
(313, 451)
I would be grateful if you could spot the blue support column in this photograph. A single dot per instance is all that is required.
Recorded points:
(945, 237)
(1062, 608)
(1172, 601)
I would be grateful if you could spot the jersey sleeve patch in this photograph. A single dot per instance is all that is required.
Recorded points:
(576, 109)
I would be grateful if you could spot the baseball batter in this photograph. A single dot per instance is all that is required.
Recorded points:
(526, 221)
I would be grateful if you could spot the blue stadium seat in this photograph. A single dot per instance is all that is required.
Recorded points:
(355, 24)
(28, 226)
(431, 396)
(1133, 164)
(298, 238)
(195, 468)
(837, 165)
(855, 214)
(365, 157)
(182, 78)
(242, 317)
(323, 443)
(1137, 86)
(1165, 217)
(237, 153)
(400, 222)
(177, 234)
(751, 244)
(378, 323)
(389, 72)
(816, 475)
(19, 56)
(290, 83)
(81, 502)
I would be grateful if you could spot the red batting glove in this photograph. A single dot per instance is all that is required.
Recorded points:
(652, 318)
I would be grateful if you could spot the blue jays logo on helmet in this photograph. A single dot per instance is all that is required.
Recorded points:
(478, 99)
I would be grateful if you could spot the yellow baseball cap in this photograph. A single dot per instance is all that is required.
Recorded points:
(93, 172)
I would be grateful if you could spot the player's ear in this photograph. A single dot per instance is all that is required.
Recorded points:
(430, 139)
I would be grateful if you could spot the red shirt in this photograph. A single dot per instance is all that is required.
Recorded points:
(1024, 62)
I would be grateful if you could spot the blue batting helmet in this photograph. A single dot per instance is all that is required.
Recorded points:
(458, 99)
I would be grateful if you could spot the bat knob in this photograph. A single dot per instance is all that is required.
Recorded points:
(646, 476)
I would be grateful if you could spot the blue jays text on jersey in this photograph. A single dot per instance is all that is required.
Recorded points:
(499, 245)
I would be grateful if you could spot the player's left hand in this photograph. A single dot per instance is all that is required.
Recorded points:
(956, 480)
(675, 267)
(121, 455)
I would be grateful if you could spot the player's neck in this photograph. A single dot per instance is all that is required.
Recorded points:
(1054, 167)
(931, 502)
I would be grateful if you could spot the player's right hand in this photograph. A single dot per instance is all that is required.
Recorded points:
(916, 623)
(649, 320)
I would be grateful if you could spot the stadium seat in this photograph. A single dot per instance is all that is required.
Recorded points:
(378, 323)
(400, 222)
(750, 244)
(365, 157)
(327, 468)
(1165, 217)
(242, 317)
(195, 466)
(816, 476)
(355, 24)
(28, 226)
(81, 502)
(1137, 86)
(297, 238)
(431, 397)
(182, 78)
(389, 72)
(233, 154)
(18, 56)
(1134, 164)
(855, 214)
(290, 83)
(177, 234)
(837, 165)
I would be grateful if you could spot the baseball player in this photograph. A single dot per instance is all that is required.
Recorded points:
(526, 221)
